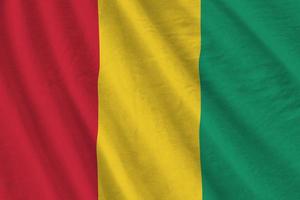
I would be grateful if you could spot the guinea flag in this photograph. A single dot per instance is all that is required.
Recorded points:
(149, 100)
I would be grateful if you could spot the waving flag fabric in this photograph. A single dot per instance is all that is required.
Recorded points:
(149, 100)
(250, 72)
(48, 99)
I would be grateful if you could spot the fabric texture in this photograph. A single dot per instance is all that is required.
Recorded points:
(108, 100)
(250, 72)
(48, 95)
(149, 100)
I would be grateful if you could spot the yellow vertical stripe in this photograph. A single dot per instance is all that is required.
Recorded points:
(149, 100)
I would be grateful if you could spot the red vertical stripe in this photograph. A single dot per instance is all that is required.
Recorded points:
(48, 99)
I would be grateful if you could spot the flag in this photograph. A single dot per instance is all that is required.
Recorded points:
(149, 100)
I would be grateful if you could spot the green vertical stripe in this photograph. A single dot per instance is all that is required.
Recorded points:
(250, 87)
